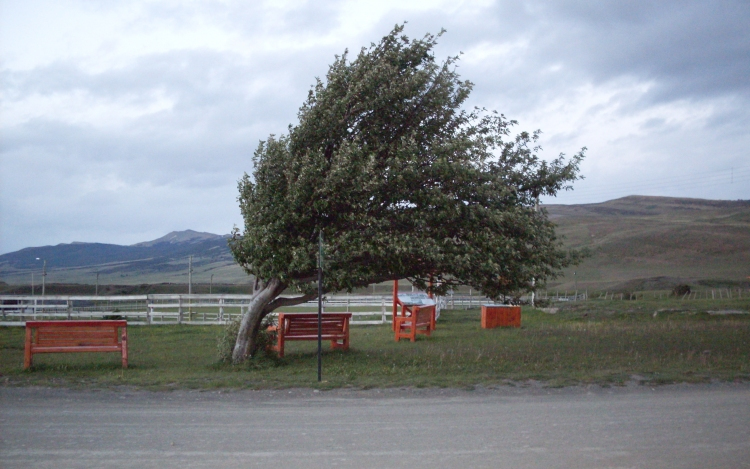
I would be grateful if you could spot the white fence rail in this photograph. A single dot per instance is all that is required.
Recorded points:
(192, 309)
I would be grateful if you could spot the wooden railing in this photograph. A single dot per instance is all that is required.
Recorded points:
(192, 309)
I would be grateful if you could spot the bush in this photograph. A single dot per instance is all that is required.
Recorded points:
(228, 338)
(681, 290)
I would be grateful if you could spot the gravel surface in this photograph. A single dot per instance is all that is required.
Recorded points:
(523, 426)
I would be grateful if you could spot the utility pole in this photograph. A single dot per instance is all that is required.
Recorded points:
(97, 284)
(211, 285)
(44, 274)
(190, 275)
(32, 284)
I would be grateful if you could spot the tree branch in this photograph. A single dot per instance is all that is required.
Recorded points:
(285, 301)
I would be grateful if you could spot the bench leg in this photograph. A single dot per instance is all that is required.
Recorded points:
(280, 344)
(27, 350)
(124, 347)
(342, 344)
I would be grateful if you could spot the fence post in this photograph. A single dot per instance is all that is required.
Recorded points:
(70, 309)
(148, 309)
(179, 309)
(221, 309)
(382, 310)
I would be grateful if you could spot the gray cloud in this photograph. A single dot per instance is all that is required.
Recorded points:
(656, 85)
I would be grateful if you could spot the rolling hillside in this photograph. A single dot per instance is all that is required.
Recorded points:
(163, 260)
(636, 243)
(654, 242)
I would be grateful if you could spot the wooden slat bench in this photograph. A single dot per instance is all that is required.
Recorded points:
(421, 321)
(76, 336)
(304, 326)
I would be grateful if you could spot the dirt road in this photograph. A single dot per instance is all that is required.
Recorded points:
(681, 426)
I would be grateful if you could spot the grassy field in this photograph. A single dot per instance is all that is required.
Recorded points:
(604, 342)
(685, 240)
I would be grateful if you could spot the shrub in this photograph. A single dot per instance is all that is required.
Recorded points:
(681, 290)
(228, 338)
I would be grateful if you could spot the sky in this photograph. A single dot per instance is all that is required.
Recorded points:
(123, 121)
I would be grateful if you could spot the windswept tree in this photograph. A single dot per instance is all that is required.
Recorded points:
(402, 182)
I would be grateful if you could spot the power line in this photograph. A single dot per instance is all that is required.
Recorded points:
(738, 176)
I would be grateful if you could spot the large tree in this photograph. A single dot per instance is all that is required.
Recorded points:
(402, 182)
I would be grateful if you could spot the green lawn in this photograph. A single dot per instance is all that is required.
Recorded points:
(605, 342)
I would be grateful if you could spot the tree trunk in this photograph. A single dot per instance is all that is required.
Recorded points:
(246, 344)
(265, 300)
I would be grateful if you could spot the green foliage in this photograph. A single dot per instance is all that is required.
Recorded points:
(225, 344)
(681, 290)
(402, 182)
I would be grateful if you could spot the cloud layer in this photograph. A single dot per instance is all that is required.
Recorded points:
(123, 122)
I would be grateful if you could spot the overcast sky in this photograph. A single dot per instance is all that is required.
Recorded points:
(122, 121)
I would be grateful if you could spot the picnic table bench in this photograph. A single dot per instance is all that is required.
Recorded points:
(421, 320)
(304, 326)
(75, 336)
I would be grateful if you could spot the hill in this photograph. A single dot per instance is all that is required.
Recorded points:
(640, 242)
(636, 243)
(162, 260)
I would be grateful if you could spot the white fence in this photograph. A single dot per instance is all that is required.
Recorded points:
(192, 309)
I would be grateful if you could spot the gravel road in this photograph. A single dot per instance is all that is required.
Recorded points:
(677, 426)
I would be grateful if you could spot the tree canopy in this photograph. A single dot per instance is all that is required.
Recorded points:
(402, 182)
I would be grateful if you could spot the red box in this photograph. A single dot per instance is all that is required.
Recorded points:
(500, 316)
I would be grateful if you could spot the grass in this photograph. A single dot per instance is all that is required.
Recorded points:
(604, 342)
(645, 237)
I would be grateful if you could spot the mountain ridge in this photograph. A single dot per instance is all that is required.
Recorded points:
(633, 237)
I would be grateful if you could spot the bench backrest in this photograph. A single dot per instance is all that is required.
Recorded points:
(306, 324)
(75, 333)
(424, 315)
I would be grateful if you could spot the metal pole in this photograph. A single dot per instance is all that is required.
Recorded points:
(211, 285)
(320, 305)
(44, 276)
(190, 275)
(32, 284)
(97, 284)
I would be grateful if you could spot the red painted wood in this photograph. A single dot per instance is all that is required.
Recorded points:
(500, 316)
(304, 326)
(420, 321)
(75, 336)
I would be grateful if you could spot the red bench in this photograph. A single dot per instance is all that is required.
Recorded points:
(75, 336)
(304, 326)
(421, 321)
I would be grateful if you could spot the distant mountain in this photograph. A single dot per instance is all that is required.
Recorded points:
(162, 260)
(181, 237)
(634, 241)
